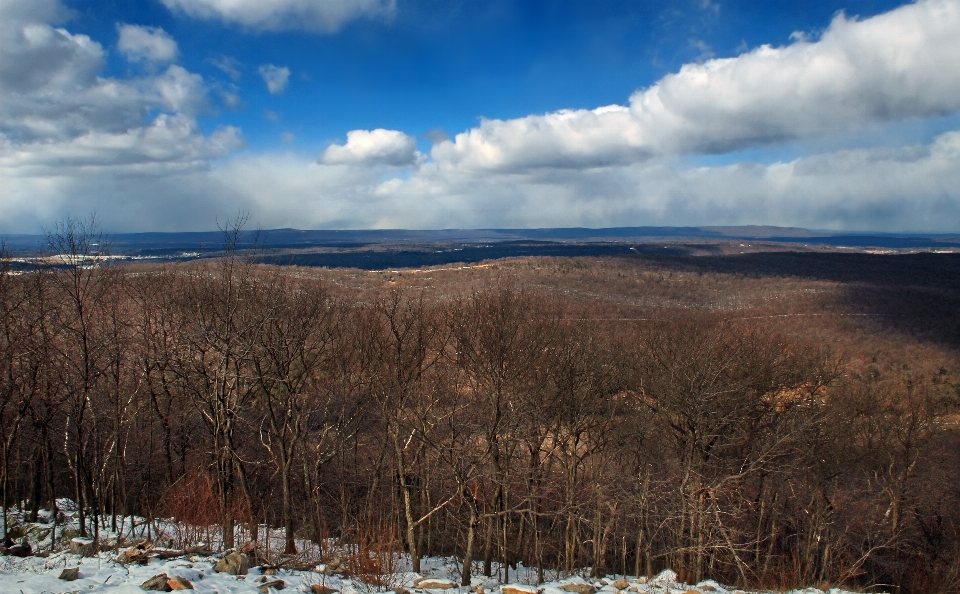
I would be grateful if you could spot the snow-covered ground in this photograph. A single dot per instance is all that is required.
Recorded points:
(103, 573)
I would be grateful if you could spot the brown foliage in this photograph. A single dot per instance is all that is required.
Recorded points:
(763, 430)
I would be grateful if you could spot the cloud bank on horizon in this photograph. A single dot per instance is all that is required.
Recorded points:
(816, 133)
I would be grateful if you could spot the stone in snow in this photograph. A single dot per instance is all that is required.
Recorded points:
(276, 584)
(518, 589)
(69, 574)
(179, 583)
(578, 588)
(434, 584)
(23, 549)
(157, 583)
(335, 566)
(233, 564)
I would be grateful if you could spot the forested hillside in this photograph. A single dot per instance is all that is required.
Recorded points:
(623, 414)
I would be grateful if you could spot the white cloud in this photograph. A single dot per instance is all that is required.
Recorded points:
(913, 188)
(229, 65)
(146, 44)
(568, 138)
(276, 77)
(73, 140)
(322, 16)
(34, 10)
(68, 134)
(167, 140)
(373, 147)
(897, 65)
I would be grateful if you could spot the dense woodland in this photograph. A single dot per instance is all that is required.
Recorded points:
(605, 413)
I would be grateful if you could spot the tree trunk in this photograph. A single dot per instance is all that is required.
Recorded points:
(291, 545)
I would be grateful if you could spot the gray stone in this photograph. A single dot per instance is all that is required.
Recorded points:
(276, 584)
(69, 574)
(233, 564)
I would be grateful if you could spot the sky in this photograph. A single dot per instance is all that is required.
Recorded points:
(179, 115)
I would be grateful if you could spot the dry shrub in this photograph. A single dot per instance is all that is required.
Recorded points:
(374, 558)
(194, 507)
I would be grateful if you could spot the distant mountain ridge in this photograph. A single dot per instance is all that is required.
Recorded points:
(172, 242)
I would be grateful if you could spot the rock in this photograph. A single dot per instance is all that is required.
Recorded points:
(633, 589)
(578, 588)
(270, 571)
(157, 583)
(85, 547)
(321, 589)
(707, 588)
(479, 590)
(691, 592)
(335, 566)
(518, 589)
(21, 550)
(621, 584)
(69, 574)
(233, 564)
(434, 584)
(642, 580)
(276, 584)
(179, 583)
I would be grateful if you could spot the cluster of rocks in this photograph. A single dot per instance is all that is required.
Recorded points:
(164, 583)
(576, 585)
(236, 562)
(666, 579)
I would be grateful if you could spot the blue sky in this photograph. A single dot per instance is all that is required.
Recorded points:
(174, 114)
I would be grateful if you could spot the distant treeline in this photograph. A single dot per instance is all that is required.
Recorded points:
(395, 257)
(497, 425)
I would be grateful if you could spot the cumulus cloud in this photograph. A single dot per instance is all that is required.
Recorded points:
(72, 140)
(896, 65)
(321, 16)
(35, 10)
(908, 188)
(892, 66)
(65, 129)
(146, 44)
(911, 188)
(275, 77)
(373, 147)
